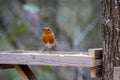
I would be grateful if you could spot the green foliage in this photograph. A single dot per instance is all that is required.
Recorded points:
(15, 32)
(47, 68)
(11, 37)
(19, 30)
(9, 74)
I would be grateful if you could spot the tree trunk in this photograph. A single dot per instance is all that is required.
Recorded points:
(111, 37)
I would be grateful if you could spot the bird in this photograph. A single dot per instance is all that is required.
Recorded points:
(48, 38)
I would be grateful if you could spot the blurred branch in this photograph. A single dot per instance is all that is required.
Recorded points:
(2, 23)
(83, 34)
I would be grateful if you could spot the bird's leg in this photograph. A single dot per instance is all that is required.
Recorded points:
(53, 48)
(49, 49)
(45, 49)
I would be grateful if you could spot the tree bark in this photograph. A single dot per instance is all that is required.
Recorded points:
(111, 37)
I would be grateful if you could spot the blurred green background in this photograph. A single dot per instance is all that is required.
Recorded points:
(76, 24)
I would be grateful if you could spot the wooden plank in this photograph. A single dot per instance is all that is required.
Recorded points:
(46, 58)
(96, 71)
(93, 72)
(116, 74)
(96, 52)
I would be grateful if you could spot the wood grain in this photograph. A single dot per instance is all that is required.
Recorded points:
(47, 58)
(116, 74)
(96, 52)
(96, 71)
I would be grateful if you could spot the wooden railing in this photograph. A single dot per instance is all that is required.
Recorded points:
(20, 59)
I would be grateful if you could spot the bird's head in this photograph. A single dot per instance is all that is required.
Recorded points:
(46, 29)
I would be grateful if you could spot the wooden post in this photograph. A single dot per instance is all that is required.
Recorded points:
(96, 71)
(25, 72)
(21, 72)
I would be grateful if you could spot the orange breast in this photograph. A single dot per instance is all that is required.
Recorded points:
(47, 38)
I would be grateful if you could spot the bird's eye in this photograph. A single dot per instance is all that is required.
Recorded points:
(48, 29)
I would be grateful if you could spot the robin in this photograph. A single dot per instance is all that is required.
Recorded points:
(48, 38)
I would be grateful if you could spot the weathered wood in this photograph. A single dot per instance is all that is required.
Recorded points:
(96, 71)
(96, 52)
(47, 58)
(93, 72)
(116, 75)
(6, 66)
